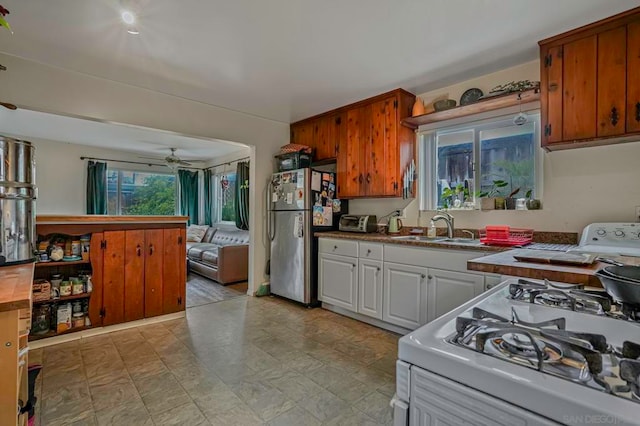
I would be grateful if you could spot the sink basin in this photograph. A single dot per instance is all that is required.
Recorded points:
(463, 241)
(417, 238)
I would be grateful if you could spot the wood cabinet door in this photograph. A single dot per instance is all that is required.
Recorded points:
(612, 90)
(338, 281)
(97, 272)
(173, 271)
(113, 278)
(321, 139)
(134, 275)
(303, 133)
(404, 300)
(633, 77)
(153, 271)
(448, 289)
(579, 83)
(382, 171)
(551, 101)
(352, 167)
(370, 278)
(337, 134)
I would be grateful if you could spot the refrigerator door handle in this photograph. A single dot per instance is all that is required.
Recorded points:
(270, 215)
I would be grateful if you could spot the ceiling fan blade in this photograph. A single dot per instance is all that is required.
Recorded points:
(183, 163)
(152, 158)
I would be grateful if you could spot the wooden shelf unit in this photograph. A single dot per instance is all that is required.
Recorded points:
(491, 104)
(63, 299)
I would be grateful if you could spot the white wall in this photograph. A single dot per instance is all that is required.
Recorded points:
(581, 185)
(33, 85)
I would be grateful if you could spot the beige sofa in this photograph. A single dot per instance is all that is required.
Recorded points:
(222, 255)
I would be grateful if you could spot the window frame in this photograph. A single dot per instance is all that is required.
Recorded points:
(120, 170)
(216, 208)
(427, 154)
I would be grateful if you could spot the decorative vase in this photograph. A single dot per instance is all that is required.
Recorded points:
(500, 203)
(533, 204)
(510, 203)
(418, 108)
(487, 203)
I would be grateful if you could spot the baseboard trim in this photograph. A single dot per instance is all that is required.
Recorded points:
(56, 340)
(371, 321)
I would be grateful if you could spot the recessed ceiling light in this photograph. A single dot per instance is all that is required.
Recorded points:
(128, 17)
(133, 31)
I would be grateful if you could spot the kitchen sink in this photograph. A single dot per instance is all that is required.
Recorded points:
(462, 241)
(418, 238)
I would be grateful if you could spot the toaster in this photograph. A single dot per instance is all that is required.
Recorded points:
(358, 223)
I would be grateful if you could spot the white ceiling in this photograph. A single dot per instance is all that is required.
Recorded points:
(288, 59)
(27, 125)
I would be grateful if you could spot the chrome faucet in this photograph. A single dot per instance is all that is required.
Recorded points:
(448, 219)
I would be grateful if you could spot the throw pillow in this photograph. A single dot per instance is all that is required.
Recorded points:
(195, 233)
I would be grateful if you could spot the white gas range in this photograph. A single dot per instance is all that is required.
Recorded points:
(519, 355)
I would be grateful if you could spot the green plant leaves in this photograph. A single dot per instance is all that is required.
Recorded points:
(4, 23)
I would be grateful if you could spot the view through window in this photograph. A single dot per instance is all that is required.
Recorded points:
(140, 193)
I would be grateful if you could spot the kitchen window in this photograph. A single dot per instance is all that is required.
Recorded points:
(459, 162)
(130, 192)
(224, 196)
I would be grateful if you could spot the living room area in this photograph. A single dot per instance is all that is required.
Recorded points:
(98, 168)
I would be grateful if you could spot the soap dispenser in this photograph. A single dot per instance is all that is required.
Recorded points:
(431, 232)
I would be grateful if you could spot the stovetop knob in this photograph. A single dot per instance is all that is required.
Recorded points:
(619, 233)
(601, 232)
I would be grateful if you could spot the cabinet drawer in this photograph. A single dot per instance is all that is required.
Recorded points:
(338, 247)
(370, 251)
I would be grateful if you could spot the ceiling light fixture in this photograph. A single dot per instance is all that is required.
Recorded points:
(133, 31)
(128, 17)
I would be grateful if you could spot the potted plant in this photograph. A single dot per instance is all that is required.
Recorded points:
(510, 201)
(532, 203)
(491, 199)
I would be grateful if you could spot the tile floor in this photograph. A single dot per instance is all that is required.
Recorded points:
(242, 361)
(201, 291)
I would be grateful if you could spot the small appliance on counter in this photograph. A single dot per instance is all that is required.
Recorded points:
(358, 223)
(17, 201)
(302, 202)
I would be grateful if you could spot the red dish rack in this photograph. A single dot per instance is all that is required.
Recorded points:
(505, 236)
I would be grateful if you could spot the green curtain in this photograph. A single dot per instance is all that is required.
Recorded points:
(242, 195)
(208, 197)
(188, 194)
(96, 187)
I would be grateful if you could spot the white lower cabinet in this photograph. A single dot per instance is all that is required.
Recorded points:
(448, 290)
(370, 278)
(404, 300)
(338, 281)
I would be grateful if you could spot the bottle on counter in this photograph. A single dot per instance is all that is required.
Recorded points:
(431, 232)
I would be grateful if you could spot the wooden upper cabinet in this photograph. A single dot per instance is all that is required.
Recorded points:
(382, 171)
(302, 133)
(579, 101)
(633, 77)
(589, 80)
(612, 85)
(351, 164)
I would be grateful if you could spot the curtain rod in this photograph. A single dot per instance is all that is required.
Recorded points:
(134, 162)
(227, 163)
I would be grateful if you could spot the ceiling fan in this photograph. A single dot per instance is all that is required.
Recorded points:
(172, 160)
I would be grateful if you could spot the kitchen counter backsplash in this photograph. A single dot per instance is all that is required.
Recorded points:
(538, 236)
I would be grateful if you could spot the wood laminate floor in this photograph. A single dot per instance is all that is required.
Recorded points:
(202, 291)
(242, 361)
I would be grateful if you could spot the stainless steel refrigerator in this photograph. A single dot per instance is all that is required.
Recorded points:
(301, 203)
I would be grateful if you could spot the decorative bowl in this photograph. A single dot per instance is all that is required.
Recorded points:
(444, 104)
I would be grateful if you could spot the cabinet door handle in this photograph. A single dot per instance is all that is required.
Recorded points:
(151, 249)
(335, 248)
(614, 116)
(378, 269)
(368, 178)
(138, 250)
(638, 112)
(368, 252)
(360, 178)
(553, 87)
(430, 277)
(423, 276)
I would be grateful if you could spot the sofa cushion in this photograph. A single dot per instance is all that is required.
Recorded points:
(210, 256)
(209, 234)
(230, 237)
(195, 233)
(196, 250)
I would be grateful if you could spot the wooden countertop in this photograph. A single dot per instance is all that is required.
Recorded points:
(15, 286)
(503, 263)
(388, 239)
(105, 219)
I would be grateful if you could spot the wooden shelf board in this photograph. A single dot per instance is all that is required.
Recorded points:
(52, 333)
(503, 101)
(63, 299)
(61, 263)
